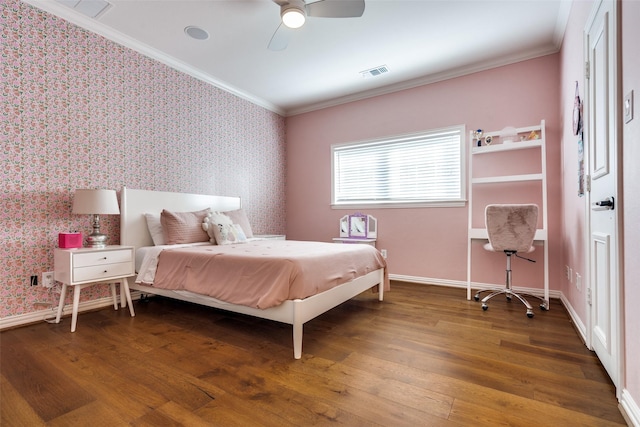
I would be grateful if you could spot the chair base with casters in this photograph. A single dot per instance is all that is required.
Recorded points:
(508, 290)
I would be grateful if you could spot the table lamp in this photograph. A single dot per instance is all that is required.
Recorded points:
(95, 203)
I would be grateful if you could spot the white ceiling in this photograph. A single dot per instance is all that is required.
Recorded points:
(419, 41)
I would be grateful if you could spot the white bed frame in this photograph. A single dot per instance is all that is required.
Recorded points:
(133, 232)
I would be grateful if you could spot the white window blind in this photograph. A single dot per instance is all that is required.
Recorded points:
(408, 169)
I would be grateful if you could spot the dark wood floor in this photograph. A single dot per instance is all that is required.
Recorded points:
(424, 357)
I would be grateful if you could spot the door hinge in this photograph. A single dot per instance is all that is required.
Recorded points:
(587, 183)
(589, 296)
(587, 70)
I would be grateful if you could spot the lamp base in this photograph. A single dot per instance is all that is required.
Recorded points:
(96, 240)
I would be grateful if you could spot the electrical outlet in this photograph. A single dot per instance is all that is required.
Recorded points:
(568, 272)
(384, 253)
(47, 279)
(33, 280)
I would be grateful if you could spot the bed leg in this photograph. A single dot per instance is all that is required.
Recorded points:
(381, 287)
(297, 340)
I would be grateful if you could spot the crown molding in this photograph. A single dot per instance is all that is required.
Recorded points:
(422, 81)
(94, 26)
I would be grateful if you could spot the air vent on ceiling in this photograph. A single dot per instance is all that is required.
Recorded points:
(373, 72)
(90, 8)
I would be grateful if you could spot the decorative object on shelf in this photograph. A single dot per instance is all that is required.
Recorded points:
(477, 135)
(95, 202)
(577, 112)
(533, 135)
(358, 226)
(488, 140)
(509, 135)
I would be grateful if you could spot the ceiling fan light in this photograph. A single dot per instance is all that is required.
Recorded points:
(293, 16)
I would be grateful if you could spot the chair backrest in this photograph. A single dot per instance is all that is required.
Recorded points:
(511, 227)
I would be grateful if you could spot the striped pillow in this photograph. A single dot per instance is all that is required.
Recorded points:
(183, 227)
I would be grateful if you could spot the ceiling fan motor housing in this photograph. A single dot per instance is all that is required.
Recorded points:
(293, 13)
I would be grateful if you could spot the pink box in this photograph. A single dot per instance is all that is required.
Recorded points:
(69, 240)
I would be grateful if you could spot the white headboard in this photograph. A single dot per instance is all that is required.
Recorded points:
(135, 203)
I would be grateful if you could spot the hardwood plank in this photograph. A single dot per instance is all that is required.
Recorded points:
(14, 409)
(424, 356)
(48, 390)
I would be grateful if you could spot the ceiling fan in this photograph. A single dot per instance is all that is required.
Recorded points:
(295, 12)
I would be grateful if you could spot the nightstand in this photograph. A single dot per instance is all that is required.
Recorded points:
(89, 266)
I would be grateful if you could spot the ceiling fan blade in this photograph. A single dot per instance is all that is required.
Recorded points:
(280, 39)
(336, 8)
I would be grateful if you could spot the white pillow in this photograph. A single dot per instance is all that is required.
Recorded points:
(155, 228)
(222, 230)
(240, 217)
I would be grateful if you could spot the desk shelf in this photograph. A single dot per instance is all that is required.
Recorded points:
(535, 148)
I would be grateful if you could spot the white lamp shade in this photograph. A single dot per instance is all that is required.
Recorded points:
(90, 201)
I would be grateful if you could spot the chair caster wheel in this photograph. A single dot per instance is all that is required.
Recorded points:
(508, 298)
(544, 307)
(529, 314)
(485, 307)
(476, 297)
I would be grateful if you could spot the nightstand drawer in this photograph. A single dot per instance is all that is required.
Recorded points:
(101, 257)
(102, 272)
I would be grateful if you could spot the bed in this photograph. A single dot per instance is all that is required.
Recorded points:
(134, 231)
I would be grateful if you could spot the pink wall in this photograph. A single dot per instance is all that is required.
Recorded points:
(573, 207)
(82, 111)
(426, 242)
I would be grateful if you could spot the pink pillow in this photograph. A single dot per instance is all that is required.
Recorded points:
(240, 217)
(183, 227)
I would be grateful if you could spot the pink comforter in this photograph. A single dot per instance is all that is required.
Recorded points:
(263, 274)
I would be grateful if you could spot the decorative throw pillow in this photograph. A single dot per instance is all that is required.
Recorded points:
(240, 217)
(183, 227)
(222, 230)
(155, 228)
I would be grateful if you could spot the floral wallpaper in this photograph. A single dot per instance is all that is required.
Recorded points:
(79, 111)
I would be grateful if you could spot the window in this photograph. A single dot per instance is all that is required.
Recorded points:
(406, 170)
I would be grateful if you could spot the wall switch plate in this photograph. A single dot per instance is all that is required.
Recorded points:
(627, 107)
(47, 279)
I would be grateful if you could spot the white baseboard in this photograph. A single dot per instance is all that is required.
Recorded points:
(49, 314)
(428, 281)
(630, 409)
(474, 285)
(581, 329)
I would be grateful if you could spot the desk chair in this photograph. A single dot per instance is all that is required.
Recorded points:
(511, 229)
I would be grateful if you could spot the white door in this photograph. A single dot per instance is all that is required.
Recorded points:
(601, 133)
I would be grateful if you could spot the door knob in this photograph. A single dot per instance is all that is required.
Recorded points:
(606, 204)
